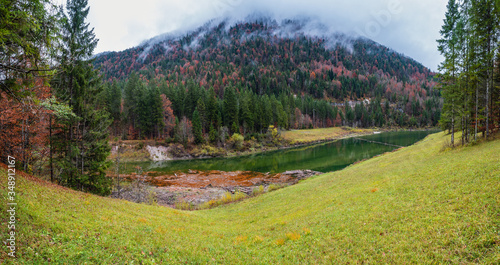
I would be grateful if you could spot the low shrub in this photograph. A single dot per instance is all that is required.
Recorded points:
(258, 190)
(236, 141)
(177, 150)
(183, 205)
(273, 187)
(228, 197)
(208, 150)
(139, 146)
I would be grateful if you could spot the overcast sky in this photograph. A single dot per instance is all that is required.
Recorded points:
(410, 27)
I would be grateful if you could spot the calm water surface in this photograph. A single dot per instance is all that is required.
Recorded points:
(324, 157)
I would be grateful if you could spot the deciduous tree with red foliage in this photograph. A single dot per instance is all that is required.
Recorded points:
(24, 126)
(168, 116)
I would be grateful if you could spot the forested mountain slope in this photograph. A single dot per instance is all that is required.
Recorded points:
(296, 77)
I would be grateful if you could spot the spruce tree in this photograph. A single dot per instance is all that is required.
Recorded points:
(26, 32)
(349, 113)
(212, 133)
(144, 120)
(156, 111)
(131, 96)
(197, 128)
(246, 115)
(113, 100)
(200, 106)
(486, 27)
(212, 108)
(448, 46)
(469, 45)
(230, 108)
(81, 147)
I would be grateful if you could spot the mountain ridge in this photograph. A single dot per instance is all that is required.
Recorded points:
(299, 57)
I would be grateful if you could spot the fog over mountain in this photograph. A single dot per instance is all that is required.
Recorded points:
(408, 27)
(259, 61)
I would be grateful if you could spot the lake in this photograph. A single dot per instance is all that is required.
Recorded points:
(325, 157)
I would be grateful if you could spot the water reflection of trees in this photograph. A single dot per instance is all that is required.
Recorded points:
(322, 157)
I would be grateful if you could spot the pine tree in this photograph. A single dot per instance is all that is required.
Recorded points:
(156, 110)
(349, 113)
(448, 48)
(26, 33)
(485, 22)
(469, 45)
(212, 108)
(266, 113)
(113, 103)
(212, 133)
(197, 128)
(131, 94)
(81, 147)
(230, 108)
(143, 109)
(200, 107)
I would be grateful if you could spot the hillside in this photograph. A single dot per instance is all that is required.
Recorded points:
(421, 204)
(287, 61)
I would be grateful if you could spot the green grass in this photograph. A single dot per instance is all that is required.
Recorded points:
(321, 134)
(417, 205)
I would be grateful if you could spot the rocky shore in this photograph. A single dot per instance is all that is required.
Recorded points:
(197, 187)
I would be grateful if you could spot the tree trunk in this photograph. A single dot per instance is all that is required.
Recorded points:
(50, 149)
(477, 120)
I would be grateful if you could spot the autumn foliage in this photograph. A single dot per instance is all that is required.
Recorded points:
(168, 116)
(24, 126)
(254, 57)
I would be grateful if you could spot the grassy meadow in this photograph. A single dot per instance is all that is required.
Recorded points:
(322, 134)
(421, 204)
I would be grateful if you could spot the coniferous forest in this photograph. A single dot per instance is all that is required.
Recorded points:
(61, 104)
(471, 69)
(245, 77)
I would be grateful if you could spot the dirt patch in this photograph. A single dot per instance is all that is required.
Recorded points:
(197, 187)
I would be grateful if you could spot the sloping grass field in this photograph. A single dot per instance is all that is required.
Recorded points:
(322, 134)
(421, 204)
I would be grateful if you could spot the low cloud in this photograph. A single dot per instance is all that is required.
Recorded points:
(408, 27)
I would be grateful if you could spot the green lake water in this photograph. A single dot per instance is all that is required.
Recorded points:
(323, 157)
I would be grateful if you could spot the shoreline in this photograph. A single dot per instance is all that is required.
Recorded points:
(202, 189)
(134, 154)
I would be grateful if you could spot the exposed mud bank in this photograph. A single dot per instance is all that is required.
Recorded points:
(198, 187)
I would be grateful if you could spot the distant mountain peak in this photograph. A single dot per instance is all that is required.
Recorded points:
(294, 56)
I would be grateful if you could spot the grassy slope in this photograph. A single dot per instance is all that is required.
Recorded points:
(322, 134)
(416, 205)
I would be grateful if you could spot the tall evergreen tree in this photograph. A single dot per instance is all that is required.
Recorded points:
(349, 113)
(197, 128)
(26, 33)
(201, 108)
(486, 26)
(212, 108)
(144, 119)
(448, 46)
(246, 115)
(131, 96)
(81, 147)
(113, 103)
(230, 108)
(156, 111)
(469, 45)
